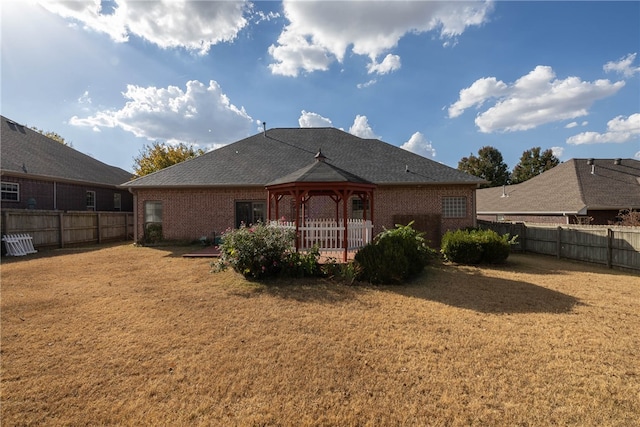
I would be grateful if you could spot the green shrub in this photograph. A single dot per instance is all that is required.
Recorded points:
(394, 255)
(301, 264)
(255, 251)
(461, 246)
(153, 233)
(495, 248)
(474, 246)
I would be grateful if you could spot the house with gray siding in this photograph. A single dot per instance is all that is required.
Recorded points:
(41, 173)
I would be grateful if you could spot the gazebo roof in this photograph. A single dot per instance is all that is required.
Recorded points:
(320, 172)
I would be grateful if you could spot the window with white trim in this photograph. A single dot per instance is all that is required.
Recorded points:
(91, 200)
(11, 191)
(152, 212)
(454, 207)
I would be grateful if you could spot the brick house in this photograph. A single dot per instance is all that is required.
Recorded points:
(578, 191)
(225, 187)
(41, 173)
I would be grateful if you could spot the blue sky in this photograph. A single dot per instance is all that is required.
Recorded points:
(441, 79)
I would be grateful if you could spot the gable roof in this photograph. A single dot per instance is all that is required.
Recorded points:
(568, 188)
(28, 153)
(276, 153)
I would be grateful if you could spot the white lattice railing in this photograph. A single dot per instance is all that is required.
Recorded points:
(327, 234)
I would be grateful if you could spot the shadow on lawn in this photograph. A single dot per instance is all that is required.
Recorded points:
(464, 289)
(315, 290)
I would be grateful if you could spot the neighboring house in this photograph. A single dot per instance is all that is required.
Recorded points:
(41, 173)
(578, 191)
(226, 187)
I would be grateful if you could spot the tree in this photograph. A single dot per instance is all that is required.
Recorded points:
(160, 155)
(628, 217)
(488, 165)
(532, 163)
(53, 135)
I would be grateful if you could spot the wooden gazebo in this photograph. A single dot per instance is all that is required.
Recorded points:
(322, 179)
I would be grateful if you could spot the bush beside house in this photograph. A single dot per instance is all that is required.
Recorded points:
(475, 246)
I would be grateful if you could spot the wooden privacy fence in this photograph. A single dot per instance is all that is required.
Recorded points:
(57, 229)
(613, 246)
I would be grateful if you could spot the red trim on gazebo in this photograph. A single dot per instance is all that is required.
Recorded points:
(302, 192)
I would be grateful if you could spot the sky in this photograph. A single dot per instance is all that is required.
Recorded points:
(440, 79)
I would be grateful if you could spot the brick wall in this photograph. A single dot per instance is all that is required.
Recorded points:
(192, 213)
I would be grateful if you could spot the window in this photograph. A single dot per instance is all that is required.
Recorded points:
(454, 207)
(117, 201)
(250, 212)
(152, 212)
(11, 191)
(357, 208)
(91, 200)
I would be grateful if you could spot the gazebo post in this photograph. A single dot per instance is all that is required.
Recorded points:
(345, 196)
(297, 196)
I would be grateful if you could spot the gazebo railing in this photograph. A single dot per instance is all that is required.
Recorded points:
(328, 235)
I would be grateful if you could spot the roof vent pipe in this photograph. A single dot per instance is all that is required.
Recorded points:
(593, 166)
(406, 168)
(617, 162)
(264, 128)
(504, 193)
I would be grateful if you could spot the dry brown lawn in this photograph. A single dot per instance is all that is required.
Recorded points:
(122, 335)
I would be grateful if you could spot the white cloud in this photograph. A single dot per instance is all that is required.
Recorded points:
(619, 129)
(202, 115)
(624, 66)
(637, 155)
(571, 125)
(557, 151)
(366, 84)
(389, 64)
(313, 120)
(419, 144)
(320, 33)
(193, 25)
(533, 100)
(362, 129)
(476, 94)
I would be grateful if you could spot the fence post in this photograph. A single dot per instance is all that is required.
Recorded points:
(609, 248)
(61, 229)
(99, 228)
(559, 242)
(5, 222)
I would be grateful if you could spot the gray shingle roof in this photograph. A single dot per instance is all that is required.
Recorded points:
(27, 152)
(265, 158)
(569, 188)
